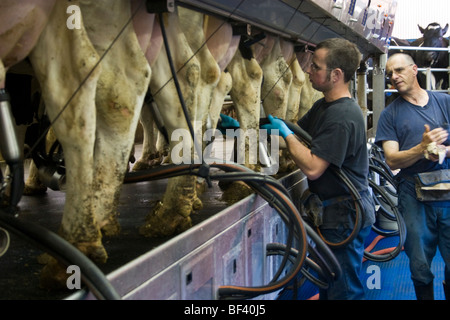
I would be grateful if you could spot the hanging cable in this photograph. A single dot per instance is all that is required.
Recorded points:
(401, 228)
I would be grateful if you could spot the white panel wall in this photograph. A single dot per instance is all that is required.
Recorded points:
(410, 13)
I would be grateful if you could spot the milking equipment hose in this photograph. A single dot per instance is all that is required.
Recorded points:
(277, 196)
(305, 137)
(63, 251)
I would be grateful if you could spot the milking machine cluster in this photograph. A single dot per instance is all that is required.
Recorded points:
(305, 251)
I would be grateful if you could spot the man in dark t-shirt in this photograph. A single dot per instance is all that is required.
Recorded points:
(338, 136)
(337, 128)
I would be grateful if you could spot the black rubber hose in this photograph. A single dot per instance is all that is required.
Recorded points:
(270, 190)
(274, 249)
(240, 292)
(383, 175)
(401, 229)
(64, 252)
(17, 185)
(335, 271)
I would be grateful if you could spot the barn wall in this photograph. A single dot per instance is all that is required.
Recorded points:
(410, 13)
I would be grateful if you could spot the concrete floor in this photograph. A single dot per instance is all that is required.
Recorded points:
(19, 268)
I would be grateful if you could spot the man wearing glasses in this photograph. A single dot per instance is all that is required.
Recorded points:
(405, 129)
(337, 127)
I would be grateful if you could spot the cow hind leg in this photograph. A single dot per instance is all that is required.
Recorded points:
(246, 94)
(172, 215)
(119, 97)
(61, 59)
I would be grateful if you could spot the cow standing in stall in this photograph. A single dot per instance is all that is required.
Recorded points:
(241, 71)
(276, 84)
(433, 37)
(93, 93)
(203, 82)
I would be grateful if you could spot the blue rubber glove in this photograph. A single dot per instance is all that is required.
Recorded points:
(227, 122)
(278, 124)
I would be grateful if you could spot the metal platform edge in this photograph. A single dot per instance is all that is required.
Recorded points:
(226, 249)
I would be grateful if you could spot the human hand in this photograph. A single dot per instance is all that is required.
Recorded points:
(432, 142)
(435, 152)
(438, 135)
(227, 122)
(277, 124)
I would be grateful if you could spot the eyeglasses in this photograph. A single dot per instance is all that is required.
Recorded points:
(398, 70)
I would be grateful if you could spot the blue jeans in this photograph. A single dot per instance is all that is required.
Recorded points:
(349, 285)
(428, 227)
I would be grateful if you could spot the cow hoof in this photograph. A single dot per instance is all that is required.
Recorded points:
(197, 204)
(54, 275)
(142, 165)
(112, 227)
(37, 190)
(94, 251)
(235, 192)
(163, 224)
(152, 162)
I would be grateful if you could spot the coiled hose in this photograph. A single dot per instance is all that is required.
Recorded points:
(343, 177)
(302, 134)
(277, 196)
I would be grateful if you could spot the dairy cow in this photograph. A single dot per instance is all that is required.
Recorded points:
(202, 81)
(433, 37)
(93, 93)
(241, 74)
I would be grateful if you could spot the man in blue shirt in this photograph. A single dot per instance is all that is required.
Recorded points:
(405, 129)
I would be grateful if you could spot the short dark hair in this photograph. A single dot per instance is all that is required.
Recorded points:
(342, 54)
